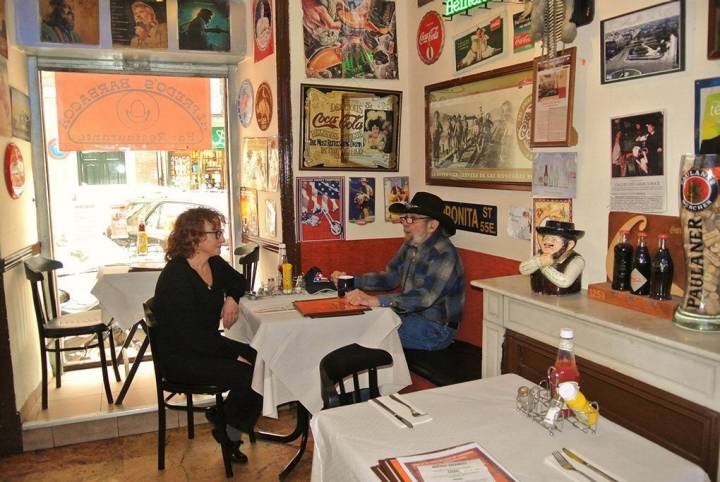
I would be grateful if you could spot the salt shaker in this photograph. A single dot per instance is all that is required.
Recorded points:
(554, 410)
(523, 399)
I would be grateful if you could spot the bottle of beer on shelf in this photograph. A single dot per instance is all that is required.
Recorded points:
(623, 264)
(565, 369)
(142, 239)
(662, 271)
(642, 267)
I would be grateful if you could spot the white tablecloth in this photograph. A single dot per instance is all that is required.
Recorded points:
(121, 295)
(349, 440)
(290, 348)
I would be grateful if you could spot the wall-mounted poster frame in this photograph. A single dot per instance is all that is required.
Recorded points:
(553, 95)
(477, 130)
(349, 129)
(645, 42)
(707, 115)
(714, 29)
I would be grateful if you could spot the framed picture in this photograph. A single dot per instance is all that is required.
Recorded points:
(273, 165)
(350, 129)
(637, 145)
(139, 24)
(204, 25)
(553, 94)
(249, 212)
(320, 214)
(254, 163)
(361, 202)
(707, 116)
(83, 28)
(549, 208)
(650, 41)
(20, 114)
(714, 29)
(477, 130)
(397, 190)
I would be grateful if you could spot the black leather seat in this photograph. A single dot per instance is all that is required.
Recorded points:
(460, 362)
(163, 384)
(40, 272)
(351, 360)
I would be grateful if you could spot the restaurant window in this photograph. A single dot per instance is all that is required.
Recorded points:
(96, 168)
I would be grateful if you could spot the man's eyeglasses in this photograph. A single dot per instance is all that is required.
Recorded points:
(410, 219)
(218, 233)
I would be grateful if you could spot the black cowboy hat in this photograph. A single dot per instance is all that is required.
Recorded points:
(560, 228)
(426, 204)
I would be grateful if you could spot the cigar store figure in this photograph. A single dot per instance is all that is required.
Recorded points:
(557, 268)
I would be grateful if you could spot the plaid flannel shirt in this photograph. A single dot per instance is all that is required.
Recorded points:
(430, 277)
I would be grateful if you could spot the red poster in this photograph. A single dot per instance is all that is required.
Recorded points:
(430, 37)
(263, 29)
(106, 112)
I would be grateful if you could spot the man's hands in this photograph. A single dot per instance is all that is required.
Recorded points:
(230, 312)
(358, 297)
(335, 275)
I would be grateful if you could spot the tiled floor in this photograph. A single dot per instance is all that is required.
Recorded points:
(97, 441)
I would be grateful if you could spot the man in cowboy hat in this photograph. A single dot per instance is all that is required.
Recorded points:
(557, 269)
(428, 271)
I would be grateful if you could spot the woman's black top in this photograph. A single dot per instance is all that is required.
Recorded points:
(188, 312)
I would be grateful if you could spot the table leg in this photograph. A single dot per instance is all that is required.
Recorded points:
(134, 368)
(302, 428)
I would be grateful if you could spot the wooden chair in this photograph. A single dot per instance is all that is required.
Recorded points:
(52, 326)
(350, 360)
(163, 384)
(249, 264)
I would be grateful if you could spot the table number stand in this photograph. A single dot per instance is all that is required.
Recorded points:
(537, 402)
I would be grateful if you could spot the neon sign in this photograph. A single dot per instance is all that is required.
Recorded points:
(454, 7)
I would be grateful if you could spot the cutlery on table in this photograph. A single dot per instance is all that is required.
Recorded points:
(390, 410)
(565, 464)
(414, 412)
(579, 459)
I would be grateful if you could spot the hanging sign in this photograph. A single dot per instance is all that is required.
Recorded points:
(454, 7)
(430, 37)
(14, 171)
(476, 218)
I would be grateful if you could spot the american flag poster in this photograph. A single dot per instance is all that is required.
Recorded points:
(320, 214)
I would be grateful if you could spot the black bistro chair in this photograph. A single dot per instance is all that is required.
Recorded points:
(249, 263)
(163, 384)
(54, 326)
(351, 360)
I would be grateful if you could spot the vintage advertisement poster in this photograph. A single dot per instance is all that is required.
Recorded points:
(139, 24)
(20, 114)
(361, 204)
(546, 208)
(320, 213)
(5, 106)
(263, 17)
(707, 115)
(350, 129)
(273, 165)
(553, 101)
(430, 37)
(204, 25)
(269, 228)
(249, 212)
(637, 160)
(263, 106)
(397, 190)
(69, 22)
(519, 223)
(555, 174)
(254, 164)
(521, 32)
(350, 39)
(479, 44)
(478, 132)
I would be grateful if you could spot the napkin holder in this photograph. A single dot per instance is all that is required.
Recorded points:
(536, 403)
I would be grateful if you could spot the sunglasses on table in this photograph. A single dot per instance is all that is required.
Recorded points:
(410, 219)
(219, 233)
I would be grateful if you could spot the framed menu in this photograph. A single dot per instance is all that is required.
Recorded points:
(553, 93)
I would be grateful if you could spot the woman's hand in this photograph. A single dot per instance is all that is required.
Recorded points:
(230, 312)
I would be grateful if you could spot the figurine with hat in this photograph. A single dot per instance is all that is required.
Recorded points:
(557, 268)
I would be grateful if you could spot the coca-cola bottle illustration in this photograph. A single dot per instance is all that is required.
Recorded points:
(623, 264)
(662, 271)
(642, 267)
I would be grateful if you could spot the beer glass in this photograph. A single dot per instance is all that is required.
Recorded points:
(345, 283)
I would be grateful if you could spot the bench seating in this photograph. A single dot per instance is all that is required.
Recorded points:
(460, 362)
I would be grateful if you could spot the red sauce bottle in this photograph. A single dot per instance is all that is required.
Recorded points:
(565, 368)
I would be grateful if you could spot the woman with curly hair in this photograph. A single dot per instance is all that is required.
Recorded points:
(196, 289)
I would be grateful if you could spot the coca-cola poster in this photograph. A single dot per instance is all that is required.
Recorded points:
(350, 129)
(430, 37)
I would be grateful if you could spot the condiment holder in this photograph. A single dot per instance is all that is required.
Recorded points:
(550, 412)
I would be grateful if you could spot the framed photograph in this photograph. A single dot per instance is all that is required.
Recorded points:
(707, 116)
(650, 41)
(254, 163)
(477, 130)
(361, 203)
(483, 42)
(249, 212)
(637, 145)
(139, 24)
(553, 94)
(320, 213)
(20, 114)
(549, 208)
(70, 22)
(349, 129)
(714, 29)
(397, 190)
(204, 25)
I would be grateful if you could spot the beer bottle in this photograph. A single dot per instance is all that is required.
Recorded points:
(142, 239)
(662, 271)
(640, 276)
(623, 264)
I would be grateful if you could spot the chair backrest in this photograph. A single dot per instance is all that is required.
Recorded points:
(350, 360)
(39, 272)
(151, 327)
(249, 264)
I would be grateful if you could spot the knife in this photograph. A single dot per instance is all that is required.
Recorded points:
(578, 459)
(388, 409)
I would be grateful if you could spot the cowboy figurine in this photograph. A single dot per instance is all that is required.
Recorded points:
(557, 269)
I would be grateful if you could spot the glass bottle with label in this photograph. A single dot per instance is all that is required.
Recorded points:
(642, 267)
(622, 266)
(662, 271)
(142, 239)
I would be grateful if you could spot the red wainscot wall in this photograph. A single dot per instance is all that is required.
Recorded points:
(364, 255)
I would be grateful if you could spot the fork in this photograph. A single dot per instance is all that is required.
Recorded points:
(565, 464)
(414, 412)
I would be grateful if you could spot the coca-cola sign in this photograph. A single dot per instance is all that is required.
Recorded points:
(430, 37)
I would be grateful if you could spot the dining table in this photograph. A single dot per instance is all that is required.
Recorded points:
(350, 440)
(290, 346)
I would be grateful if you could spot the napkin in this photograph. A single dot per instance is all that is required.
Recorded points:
(403, 411)
(573, 475)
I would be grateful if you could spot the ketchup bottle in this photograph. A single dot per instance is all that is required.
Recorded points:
(564, 369)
